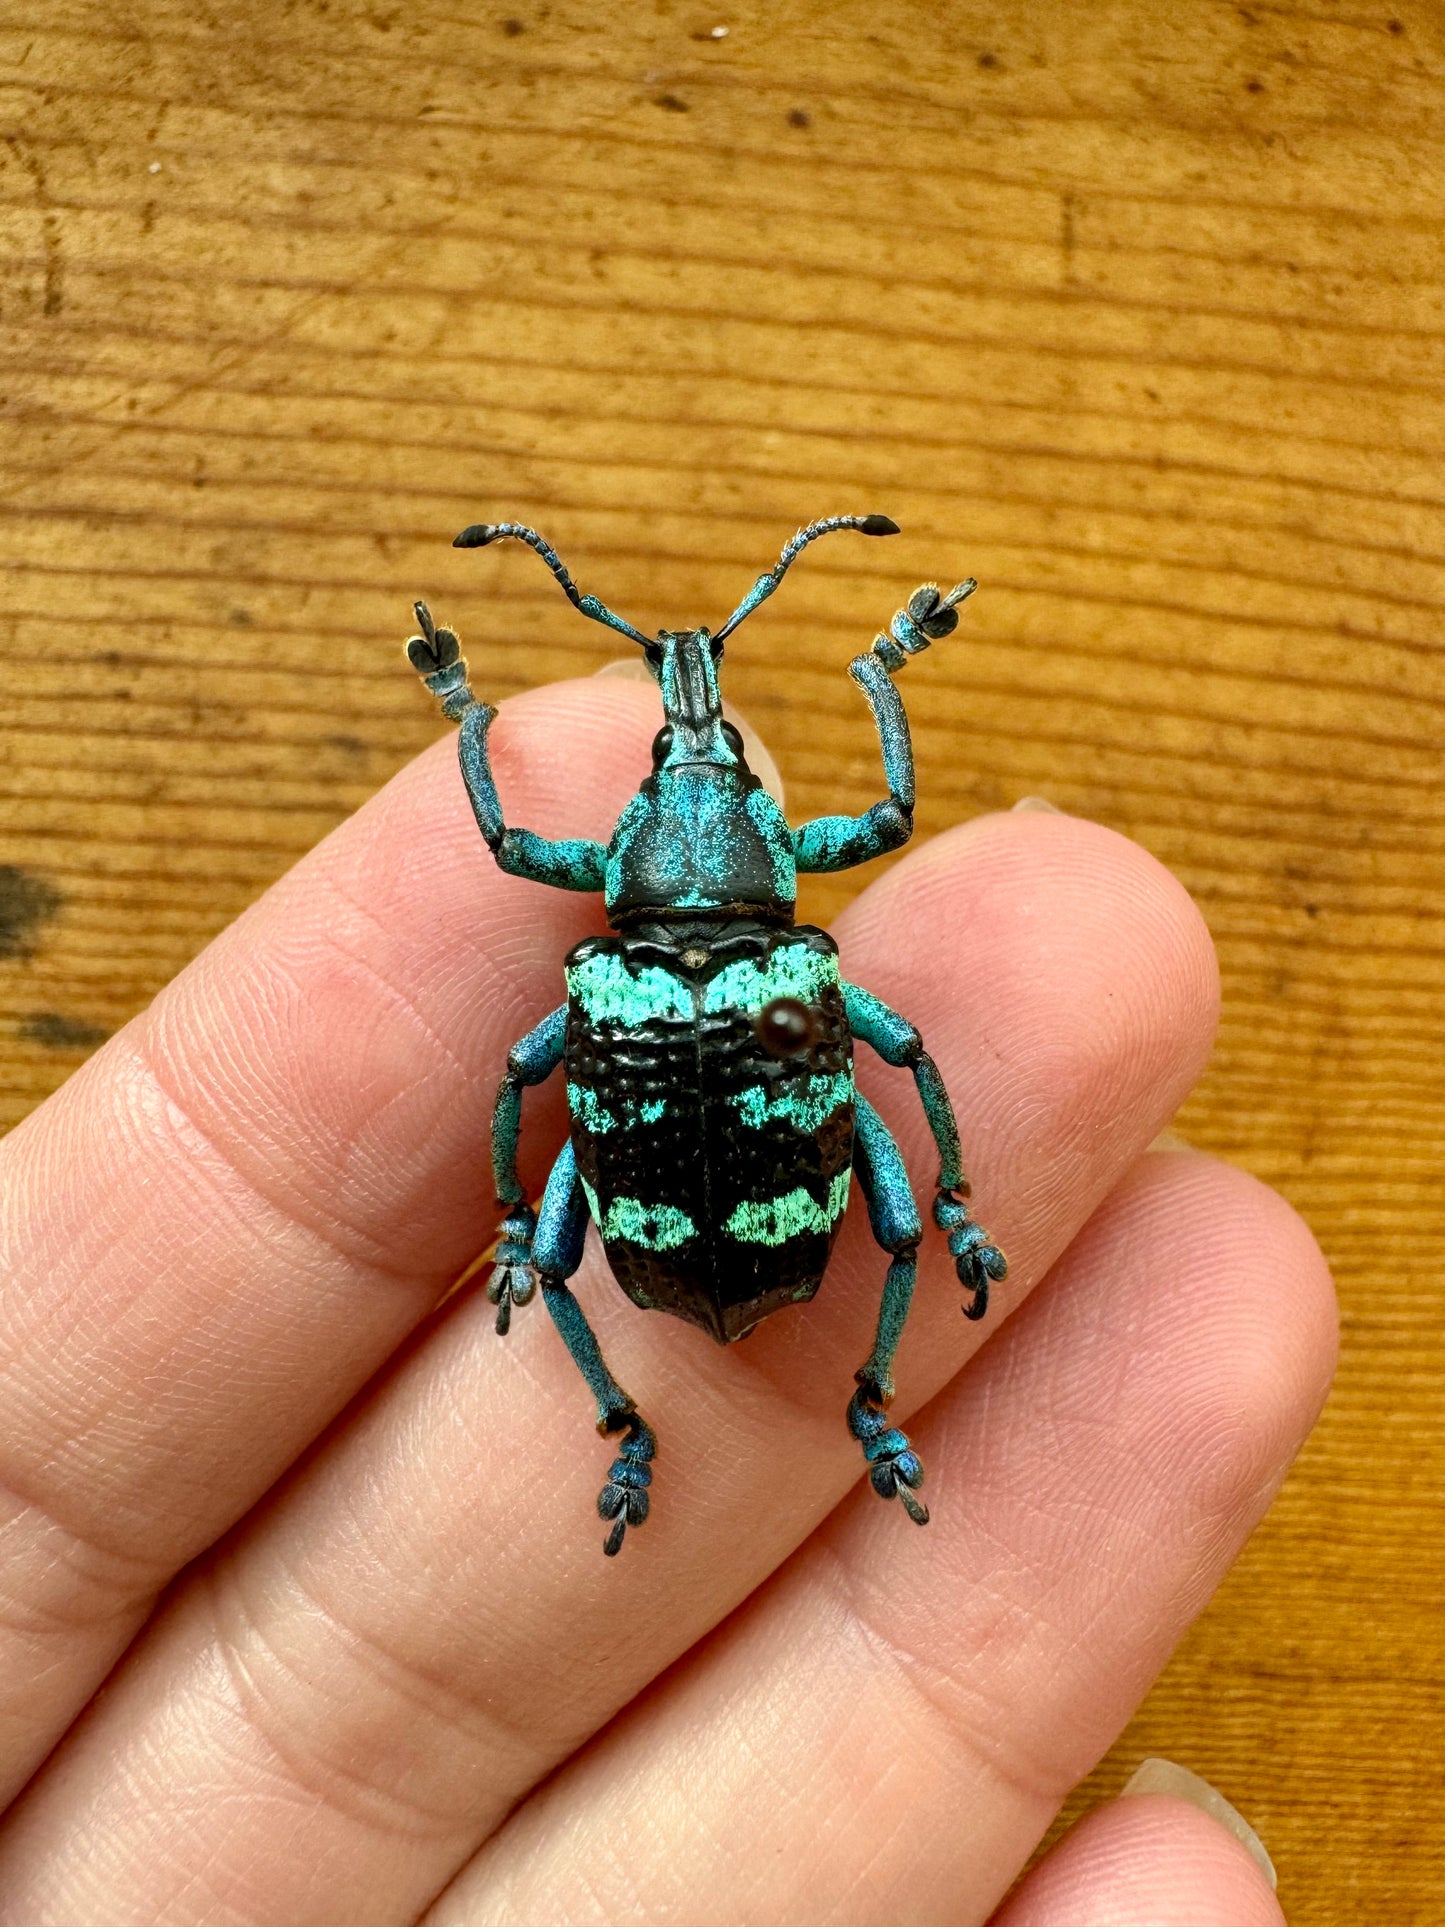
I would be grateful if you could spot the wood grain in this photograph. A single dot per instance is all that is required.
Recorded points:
(1135, 312)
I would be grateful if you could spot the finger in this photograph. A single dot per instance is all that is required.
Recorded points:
(219, 1228)
(425, 1625)
(886, 1731)
(1146, 1862)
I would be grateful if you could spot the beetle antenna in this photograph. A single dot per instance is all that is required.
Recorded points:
(481, 533)
(765, 584)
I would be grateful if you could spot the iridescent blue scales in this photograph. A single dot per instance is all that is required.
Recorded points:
(708, 1043)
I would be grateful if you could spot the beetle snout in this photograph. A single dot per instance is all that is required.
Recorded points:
(698, 703)
(690, 699)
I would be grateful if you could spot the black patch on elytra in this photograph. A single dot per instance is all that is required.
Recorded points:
(56, 1031)
(26, 902)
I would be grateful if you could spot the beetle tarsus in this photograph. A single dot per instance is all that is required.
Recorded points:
(436, 656)
(976, 1258)
(514, 1277)
(895, 1470)
(625, 1499)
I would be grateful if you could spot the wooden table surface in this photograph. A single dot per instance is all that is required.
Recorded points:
(1136, 311)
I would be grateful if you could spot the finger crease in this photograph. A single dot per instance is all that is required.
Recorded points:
(939, 1698)
(323, 1233)
(498, 983)
(342, 1785)
(110, 1582)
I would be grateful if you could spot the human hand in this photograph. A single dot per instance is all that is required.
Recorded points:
(390, 1675)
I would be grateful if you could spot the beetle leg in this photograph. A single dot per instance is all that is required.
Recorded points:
(976, 1258)
(513, 1278)
(839, 842)
(568, 863)
(894, 1468)
(557, 1252)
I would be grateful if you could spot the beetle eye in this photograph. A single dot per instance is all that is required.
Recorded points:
(732, 736)
(785, 1027)
(717, 650)
(653, 653)
(661, 744)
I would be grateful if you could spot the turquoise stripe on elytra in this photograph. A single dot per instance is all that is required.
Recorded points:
(593, 1115)
(610, 993)
(793, 970)
(774, 1220)
(588, 1109)
(803, 1102)
(657, 1227)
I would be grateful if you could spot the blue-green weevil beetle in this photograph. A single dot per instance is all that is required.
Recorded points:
(708, 1042)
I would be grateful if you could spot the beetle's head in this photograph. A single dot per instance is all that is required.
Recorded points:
(684, 663)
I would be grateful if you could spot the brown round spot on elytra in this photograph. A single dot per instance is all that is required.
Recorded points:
(785, 1027)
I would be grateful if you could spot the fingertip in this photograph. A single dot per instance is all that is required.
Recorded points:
(1056, 899)
(590, 735)
(1123, 1435)
(1227, 1309)
(1065, 984)
(566, 756)
(1146, 1861)
(1264, 1337)
(1068, 863)
(1156, 1775)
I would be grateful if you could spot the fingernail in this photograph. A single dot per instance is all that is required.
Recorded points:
(1178, 1783)
(1170, 1140)
(760, 761)
(1038, 803)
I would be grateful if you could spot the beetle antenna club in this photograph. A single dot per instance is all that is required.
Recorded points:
(708, 1041)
